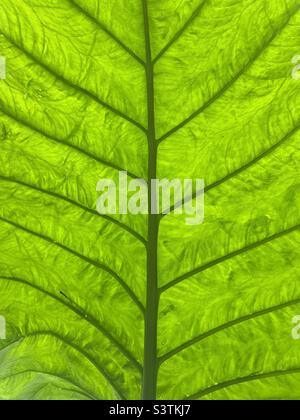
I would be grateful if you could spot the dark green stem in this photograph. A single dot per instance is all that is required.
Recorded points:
(150, 342)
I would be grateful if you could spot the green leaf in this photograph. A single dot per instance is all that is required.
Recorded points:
(130, 306)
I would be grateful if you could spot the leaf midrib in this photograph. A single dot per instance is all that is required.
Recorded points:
(149, 387)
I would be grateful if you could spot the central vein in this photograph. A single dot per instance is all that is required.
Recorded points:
(150, 340)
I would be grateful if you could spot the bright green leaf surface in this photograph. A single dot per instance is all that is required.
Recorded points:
(77, 106)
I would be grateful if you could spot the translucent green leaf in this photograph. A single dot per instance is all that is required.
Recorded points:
(130, 306)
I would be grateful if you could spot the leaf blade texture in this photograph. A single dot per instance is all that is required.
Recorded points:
(126, 306)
